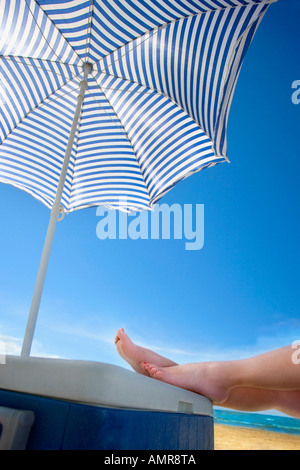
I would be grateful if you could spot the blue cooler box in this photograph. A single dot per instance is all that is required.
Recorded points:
(86, 405)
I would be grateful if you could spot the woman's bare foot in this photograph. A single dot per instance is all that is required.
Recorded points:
(137, 355)
(205, 378)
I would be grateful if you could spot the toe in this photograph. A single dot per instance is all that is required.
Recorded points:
(120, 335)
(120, 332)
(152, 369)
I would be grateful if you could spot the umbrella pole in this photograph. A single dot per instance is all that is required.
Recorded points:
(37, 294)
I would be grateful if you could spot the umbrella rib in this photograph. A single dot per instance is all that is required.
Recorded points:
(149, 91)
(89, 30)
(54, 25)
(19, 61)
(76, 147)
(121, 127)
(39, 105)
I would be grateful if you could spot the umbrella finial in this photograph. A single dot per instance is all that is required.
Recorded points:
(87, 69)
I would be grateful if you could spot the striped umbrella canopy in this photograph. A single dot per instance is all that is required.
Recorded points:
(114, 101)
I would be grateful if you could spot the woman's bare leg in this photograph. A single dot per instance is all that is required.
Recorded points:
(259, 399)
(273, 370)
(251, 399)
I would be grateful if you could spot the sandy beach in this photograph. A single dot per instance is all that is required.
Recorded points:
(238, 438)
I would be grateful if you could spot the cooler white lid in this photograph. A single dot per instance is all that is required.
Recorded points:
(97, 383)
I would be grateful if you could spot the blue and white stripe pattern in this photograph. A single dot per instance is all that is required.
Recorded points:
(157, 103)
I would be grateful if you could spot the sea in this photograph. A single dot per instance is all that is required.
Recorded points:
(266, 422)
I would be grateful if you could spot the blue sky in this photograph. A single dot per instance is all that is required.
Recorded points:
(237, 296)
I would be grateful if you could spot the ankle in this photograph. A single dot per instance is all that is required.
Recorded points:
(218, 375)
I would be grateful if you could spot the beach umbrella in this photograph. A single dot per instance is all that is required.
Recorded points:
(113, 102)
